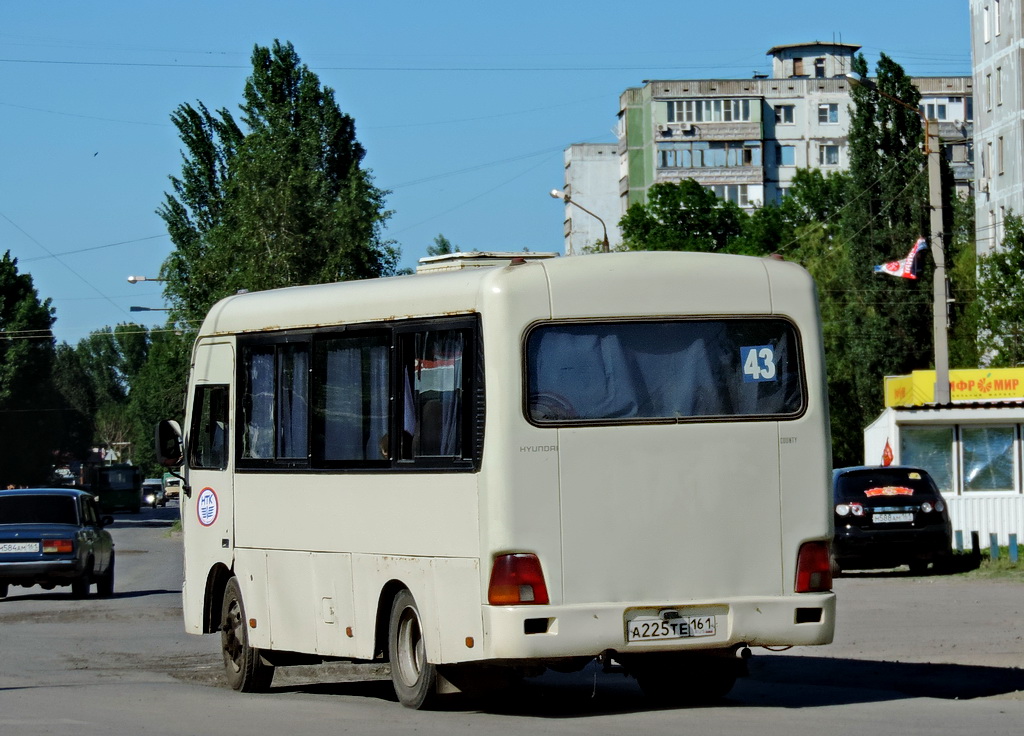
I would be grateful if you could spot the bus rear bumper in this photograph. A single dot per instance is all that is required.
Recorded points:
(550, 632)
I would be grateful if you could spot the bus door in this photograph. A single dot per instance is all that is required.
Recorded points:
(207, 511)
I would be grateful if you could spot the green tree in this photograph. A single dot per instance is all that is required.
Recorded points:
(883, 324)
(965, 310)
(681, 216)
(158, 392)
(283, 201)
(442, 246)
(27, 399)
(1001, 297)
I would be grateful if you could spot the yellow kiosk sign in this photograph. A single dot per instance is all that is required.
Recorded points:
(971, 384)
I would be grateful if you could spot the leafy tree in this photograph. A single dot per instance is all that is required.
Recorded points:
(157, 392)
(442, 246)
(282, 201)
(815, 197)
(1001, 297)
(27, 400)
(883, 324)
(77, 400)
(681, 216)
(763, 232)
(965, 310)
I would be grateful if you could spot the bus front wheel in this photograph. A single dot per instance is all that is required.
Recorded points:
(245, 669)
(414, 678)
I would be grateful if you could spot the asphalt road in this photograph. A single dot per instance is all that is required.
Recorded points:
(928, 655)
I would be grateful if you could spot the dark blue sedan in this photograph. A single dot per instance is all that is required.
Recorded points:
(54, 536)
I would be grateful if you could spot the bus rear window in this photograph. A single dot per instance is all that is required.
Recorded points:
(660, 371)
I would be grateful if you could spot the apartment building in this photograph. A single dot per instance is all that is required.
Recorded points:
(997, 45)
(591, 176)
(745, 138)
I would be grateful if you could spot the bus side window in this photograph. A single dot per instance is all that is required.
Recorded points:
(353, 398)
(209, 428)
(433, 407)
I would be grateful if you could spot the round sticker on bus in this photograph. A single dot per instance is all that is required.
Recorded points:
(207, 507)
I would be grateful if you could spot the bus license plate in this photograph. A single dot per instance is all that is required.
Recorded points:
(13, 548)
(656, 629)
(891, 518)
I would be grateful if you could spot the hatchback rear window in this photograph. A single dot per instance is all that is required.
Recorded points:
(38, 510)
(884, 484)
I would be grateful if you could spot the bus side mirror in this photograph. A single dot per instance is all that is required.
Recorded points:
(169, 446)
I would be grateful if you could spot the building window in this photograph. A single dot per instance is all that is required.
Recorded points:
(988, 91)
(828, 112)
(987, 458)
(828, 155)
(785, 155)
(930, 448)
(819, 67)
(935, 110)
(735, 193)
(999, 156)
(986, 32)
(798, 67)
(999, 85)
(784, 114)
(708, 154)
(709, 111)
(998, 28)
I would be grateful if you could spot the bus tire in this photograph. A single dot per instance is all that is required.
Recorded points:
(244, 667)
(413, 677)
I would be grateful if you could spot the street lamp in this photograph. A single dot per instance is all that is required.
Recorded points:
(559, 194)
(137, 279)
(940, 330)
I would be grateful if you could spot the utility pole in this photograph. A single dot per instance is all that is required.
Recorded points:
(940, 330)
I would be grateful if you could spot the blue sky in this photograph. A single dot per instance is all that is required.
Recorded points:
(464, 108)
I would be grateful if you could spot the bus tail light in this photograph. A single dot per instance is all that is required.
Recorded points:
(517, 579)
(58, 546)
(814, 568)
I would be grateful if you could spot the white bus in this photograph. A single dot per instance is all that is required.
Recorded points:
(493, 471)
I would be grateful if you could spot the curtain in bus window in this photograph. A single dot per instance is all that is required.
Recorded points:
(437, 393)
(662, 370)
(293, 402)
(258, 428)
(355, 402)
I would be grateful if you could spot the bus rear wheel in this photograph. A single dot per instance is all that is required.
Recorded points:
(413, 677)
(244, 667)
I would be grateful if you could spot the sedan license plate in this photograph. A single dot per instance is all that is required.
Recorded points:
(12, 548)
(656, 629)
(891, 518)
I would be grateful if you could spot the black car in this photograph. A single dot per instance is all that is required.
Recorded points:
(54, 536)
(153, 492)
(887, 517)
